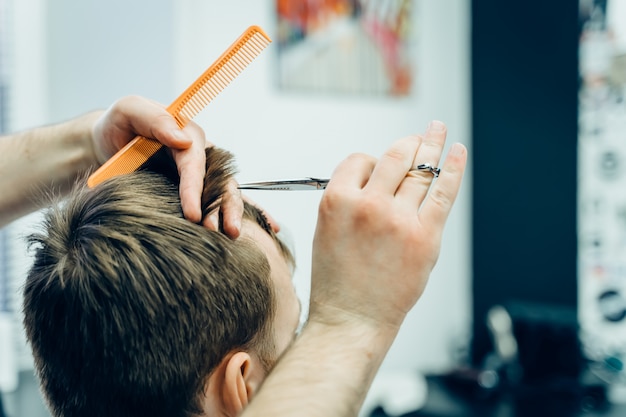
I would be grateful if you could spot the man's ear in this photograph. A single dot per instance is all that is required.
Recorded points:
(242, 378)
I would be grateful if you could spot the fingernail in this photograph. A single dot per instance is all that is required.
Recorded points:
(214, 218)
(179, 135)
(237, 224)
(436, 126)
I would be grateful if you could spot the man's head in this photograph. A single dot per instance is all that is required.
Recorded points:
(131, 310)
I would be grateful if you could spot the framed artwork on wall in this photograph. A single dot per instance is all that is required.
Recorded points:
(346, 46)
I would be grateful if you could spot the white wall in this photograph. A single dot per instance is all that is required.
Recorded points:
(99, 51)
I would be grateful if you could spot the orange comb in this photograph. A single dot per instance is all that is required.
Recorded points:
(199, 94)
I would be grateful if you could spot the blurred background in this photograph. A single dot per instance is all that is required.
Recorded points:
(533, 261)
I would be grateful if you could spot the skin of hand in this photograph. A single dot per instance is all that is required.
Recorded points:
(377, 240)
(132, 116)
(44, 161)
(379, 230)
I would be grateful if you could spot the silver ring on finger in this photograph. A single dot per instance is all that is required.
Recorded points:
(428, 167)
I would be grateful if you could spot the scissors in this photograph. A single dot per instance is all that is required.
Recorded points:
(310, 183)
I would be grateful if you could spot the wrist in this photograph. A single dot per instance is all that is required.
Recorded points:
(326, 319)
(86, 134)
(335, 315)
(76, 138)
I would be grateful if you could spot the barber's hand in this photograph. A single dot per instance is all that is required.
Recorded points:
(132, 116)
(379, 231)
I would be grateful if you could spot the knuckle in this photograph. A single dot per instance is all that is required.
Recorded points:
(439, 198)
(395, 155)
(331, 201)
(359, 158)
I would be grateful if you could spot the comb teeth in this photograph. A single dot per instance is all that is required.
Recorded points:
(230, 64)
(219, 75)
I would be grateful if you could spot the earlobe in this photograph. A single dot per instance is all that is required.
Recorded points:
(241, 381)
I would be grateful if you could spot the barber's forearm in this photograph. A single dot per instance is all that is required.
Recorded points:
(40, 160)
(327, 372)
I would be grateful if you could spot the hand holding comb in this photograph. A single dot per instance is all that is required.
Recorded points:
(199, 94)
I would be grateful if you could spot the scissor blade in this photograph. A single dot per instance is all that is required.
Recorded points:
(286, 185)
(279, 187)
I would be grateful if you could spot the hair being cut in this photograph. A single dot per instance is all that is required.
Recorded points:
(128, 306)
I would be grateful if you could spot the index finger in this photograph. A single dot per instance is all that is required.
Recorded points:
(352, 172)
(151, 120)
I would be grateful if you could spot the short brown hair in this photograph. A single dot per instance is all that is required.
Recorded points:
(129, 307)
